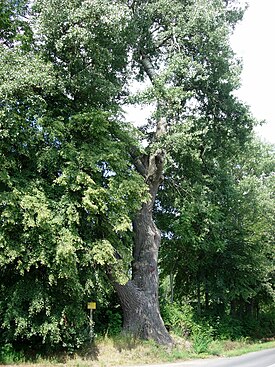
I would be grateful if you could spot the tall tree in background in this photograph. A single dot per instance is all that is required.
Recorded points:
(64, 137)
(219, 224)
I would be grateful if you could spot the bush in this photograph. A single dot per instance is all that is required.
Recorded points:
(178, 318)
(226, 328)
(8, 355)
(114, 322)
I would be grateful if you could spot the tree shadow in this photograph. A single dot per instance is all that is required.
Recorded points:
(126, 342)
(89, 351)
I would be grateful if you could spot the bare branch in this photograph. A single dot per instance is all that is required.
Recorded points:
(149, 69)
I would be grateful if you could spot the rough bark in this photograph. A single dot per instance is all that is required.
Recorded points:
(139, 297)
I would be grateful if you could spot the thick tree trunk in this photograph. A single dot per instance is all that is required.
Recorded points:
(139, 297)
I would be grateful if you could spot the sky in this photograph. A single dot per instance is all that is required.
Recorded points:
(253, 41)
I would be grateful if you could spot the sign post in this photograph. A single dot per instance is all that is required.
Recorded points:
(91, 306)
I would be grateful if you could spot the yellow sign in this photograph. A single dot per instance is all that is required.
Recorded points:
(91, 305)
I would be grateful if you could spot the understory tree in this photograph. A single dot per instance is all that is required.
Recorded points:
(78, 188)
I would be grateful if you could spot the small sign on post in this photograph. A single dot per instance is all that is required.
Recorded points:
(91, 306)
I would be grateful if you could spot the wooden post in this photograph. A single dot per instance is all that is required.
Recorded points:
(91, 325)
(91, 307)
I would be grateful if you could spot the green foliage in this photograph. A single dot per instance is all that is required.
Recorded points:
(202, 338)
(14, 25)
(68, 195)
(9, 356)
(195, 70)
(181, 320)
(178, 318)
(114, 325)
(86, 43)
(218, 230)
(227, 328)
(54, 220)
(69, 186)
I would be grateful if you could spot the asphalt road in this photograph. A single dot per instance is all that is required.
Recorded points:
(264, 358)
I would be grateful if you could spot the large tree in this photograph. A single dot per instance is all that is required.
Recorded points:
(182, 48)
(68, 191)
(65, 102)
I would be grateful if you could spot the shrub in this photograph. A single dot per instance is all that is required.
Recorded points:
(114, 322)
(178, 318)
(8, 355)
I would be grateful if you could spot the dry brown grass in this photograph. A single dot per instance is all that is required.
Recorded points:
(116, 352)
(120, 352)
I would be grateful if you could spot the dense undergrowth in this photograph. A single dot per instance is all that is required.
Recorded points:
(194, 336)
(183, 321)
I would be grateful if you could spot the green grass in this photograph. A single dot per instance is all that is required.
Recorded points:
(253, 347)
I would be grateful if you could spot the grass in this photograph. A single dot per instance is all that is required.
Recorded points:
(255, 347)
(118, 351)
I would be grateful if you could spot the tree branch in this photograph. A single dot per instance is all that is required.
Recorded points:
(148, 67)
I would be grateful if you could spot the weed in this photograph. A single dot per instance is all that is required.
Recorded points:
(201, 338)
